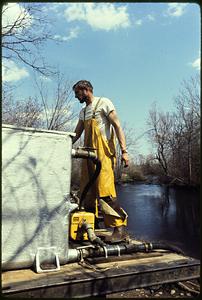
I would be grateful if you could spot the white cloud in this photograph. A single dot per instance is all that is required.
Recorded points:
(150, 18)
(13, 12)
(11, 72)
(73, 33)
(101, 16)
(54, 7)
(176, 9)
(138, 22)
(196, 64)
(145, 19)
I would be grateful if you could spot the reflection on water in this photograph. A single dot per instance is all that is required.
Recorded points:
(160, 213)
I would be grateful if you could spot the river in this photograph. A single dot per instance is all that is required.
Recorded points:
(156, 213)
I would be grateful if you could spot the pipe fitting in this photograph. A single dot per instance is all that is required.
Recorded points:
(91, 234)
(84, 153)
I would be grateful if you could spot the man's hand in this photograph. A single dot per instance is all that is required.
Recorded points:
(125, 159)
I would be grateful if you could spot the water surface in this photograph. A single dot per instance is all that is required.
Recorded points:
(156, 213)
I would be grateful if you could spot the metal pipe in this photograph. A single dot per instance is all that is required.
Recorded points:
(119, 249)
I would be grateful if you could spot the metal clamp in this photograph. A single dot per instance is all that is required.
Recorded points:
(105, 250)
(151, 246)
(81, 252)
(146, 247)
(118, 248)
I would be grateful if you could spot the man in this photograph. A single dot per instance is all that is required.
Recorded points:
(98, 120)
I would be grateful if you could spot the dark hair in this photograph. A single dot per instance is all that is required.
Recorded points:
(83, 84)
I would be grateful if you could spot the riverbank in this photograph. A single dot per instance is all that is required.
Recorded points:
(185, 289)
(161, 180)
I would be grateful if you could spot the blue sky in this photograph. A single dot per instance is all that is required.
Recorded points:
(133, 53)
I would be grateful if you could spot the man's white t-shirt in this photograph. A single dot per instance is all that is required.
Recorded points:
(103, 110)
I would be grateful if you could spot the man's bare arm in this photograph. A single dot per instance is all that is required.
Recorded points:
(78, 130)
(113, 118)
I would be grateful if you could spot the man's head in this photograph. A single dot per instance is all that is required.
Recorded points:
(83, 90)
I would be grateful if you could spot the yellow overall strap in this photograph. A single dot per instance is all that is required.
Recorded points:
(94, 111)
(96, 106)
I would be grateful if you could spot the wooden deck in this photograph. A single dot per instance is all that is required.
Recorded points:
(102, 276)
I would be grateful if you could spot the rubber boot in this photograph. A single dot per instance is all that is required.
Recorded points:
(119, 235)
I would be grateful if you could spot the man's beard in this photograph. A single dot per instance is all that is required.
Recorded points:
(83, 99)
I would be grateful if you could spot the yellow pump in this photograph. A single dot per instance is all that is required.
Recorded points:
(77, 219)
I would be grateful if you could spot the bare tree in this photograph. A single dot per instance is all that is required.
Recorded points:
(176, 136)
(189, 95)
(24, 30)
(51, 109)
(58, 110)
(188, 111)
(25, 113)
(149, 165)
(161, 124)
(175, 143)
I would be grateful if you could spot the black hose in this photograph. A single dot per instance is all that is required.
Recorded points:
(118, 249)
(93, 178)
(168, 247)
(87, 154)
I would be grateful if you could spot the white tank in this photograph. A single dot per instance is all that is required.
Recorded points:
(36, 174)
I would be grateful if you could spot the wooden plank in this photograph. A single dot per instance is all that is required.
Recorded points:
(110, 262)
(142, 269)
